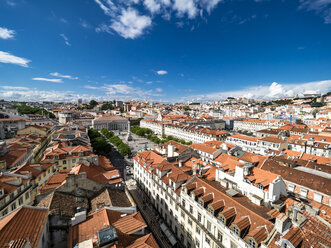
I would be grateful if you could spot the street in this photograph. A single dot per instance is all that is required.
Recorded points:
(149, 213)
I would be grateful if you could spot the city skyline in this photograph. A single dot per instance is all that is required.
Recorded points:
(162, 50)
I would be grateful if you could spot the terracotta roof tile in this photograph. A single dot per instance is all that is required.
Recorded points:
(24, 222)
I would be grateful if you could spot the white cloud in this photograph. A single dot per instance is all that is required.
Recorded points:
(124, 91)
(111, 91)
(12, 59)
(11, 3)
(66, 40)
(159, 90)
(130, 24)
(63, 20)
(6, 33)
(185, 7)
(52, 80)
(109, 9)
(274, 90)
(85, 24)
(13, 88)
(56, 74)
(127, 22)
(322, 7)
(161, 72)
(28, 94)
(152, 5)
(91, 87)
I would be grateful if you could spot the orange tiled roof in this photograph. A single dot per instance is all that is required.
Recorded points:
(24, 222)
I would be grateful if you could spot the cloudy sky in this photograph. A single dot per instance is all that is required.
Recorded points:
(163, 50)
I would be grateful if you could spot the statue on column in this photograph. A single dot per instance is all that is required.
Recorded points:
(128, 136)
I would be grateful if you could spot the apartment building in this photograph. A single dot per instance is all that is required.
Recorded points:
(253, 125)
(37, 173)
(11, 126)
(107, 227)
(66, 157)
(247, 143)
(188, 132)
(311, 144)
(260, 186)
(195, 134)
(309, 185)
(271, 143)
(156, 126)
(15, 191)
(199, 212)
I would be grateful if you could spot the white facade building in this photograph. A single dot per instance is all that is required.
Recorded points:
(199, 214)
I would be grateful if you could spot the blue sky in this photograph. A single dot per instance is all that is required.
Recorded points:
(163, 50)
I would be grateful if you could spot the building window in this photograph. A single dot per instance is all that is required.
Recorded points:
(201, 203)
(13, 206)
(183, 214)
(183, 203)
(191, 209)
(64, 161)
(197, 229)
(208, 225)
(220, 236)
(27, 195)
(211, 211)
(5, 212)
(222, 219)
(252, 243)
(197, 243)
(233, 245)
(207, 240)
(20, 201)
(189, 222)
(199, 217)
(235, 230)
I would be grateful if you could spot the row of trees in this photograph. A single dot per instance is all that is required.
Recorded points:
(107, 133)
(24, 110)
(140, 131)
(99, 144)
(123, 148)
(146, 132)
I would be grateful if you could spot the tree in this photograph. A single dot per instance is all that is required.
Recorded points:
(107, 106)
(93, 103)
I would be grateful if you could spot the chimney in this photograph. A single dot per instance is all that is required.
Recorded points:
(78, 218)
(295, 214)
(171, 150)
(281, 223)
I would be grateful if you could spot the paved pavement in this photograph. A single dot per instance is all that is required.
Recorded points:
(138, 143)
(149, 213)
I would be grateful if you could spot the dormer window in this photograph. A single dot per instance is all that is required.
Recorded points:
(222, 219)
(235, 230)
(201, 203)
(251, 243)
(261, 186)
